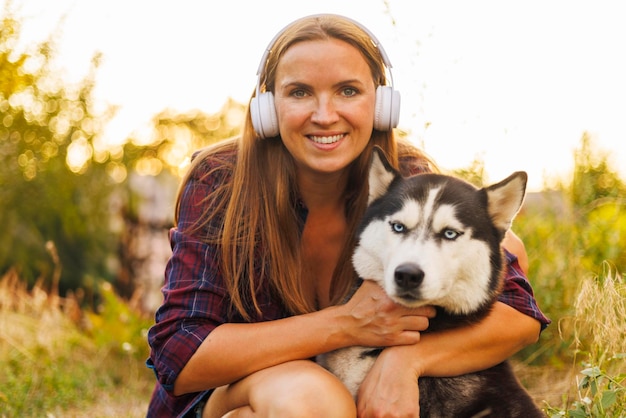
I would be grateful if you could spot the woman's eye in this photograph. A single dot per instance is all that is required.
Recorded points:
(349, 91)
(398, 227)
(298, 93)
(451, 234)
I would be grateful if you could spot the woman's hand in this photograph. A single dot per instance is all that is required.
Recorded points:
(390, 388)
(380, 322)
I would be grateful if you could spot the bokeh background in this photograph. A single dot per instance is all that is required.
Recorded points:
(514, 83)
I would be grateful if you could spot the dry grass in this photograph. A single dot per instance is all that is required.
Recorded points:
(600, 321)
(57, 361)
(598, 335)
(547, 385)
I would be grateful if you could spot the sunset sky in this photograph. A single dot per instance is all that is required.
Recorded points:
(512, 83)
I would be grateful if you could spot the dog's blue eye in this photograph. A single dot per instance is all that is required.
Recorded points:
(398, 227)
(451, 234)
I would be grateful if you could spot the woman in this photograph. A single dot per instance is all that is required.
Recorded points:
(261, 252)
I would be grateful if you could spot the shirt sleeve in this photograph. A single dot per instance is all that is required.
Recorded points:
(518, 293)
(195, 299)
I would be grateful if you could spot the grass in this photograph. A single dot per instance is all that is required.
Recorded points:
(59, 360)
(600, 344)
(594, 384)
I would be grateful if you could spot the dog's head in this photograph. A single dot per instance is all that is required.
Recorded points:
(433, 239)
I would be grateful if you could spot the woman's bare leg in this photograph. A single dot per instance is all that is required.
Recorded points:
(297, 389)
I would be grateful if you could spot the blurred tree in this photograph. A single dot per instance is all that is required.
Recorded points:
(178, 135)
(599, 198)
(71, 205)
(54, 186)
(594, 178)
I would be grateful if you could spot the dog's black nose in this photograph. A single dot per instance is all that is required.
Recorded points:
(408, 276)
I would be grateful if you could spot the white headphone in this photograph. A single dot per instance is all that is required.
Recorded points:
(263, 111)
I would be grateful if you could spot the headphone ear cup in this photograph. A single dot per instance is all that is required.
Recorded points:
(387, 111)
(263, 113)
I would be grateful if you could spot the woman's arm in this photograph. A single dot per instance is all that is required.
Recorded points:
(515, 246)
(504, 332)
(232, 351)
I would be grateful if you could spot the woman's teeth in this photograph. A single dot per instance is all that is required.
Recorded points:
(326, 139)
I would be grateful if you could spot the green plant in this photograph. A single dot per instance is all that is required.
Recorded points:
(599, 336)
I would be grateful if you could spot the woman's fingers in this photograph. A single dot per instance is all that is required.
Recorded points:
(379, 321)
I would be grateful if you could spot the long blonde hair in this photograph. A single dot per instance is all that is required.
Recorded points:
(260, 232)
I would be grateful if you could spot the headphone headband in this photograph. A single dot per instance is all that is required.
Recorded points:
(375, 41)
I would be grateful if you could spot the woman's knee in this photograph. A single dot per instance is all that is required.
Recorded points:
(303, 390)
(297, 389)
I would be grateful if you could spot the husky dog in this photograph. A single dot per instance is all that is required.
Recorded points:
(433, 239)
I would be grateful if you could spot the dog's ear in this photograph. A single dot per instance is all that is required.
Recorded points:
(505, 199)
(380, 176)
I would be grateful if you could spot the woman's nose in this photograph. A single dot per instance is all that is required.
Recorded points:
(325, 111)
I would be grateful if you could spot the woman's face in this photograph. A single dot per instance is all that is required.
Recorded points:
(325, 97)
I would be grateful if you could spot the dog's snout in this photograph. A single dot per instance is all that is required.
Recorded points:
(408, 276)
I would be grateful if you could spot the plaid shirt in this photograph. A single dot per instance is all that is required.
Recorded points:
(196, 299)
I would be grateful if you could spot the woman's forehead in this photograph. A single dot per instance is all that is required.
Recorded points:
(322, 58)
